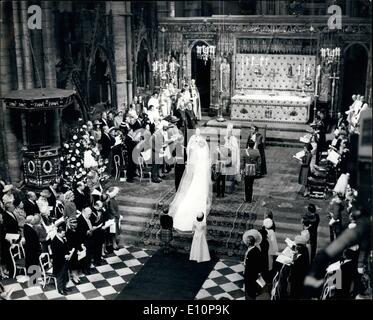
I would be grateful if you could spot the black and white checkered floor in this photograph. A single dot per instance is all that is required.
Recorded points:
(106, 281)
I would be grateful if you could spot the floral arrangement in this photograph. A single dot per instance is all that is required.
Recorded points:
(74, 164)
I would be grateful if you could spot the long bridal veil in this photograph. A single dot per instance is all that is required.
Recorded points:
(195, 190)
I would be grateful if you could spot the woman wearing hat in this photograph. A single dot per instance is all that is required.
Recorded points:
(199, 250)
(253, 262)
(70, 207)
(273, 246)
(8, 194)
(73, 242)
(43, 203)
(311, 222)
(299, 268)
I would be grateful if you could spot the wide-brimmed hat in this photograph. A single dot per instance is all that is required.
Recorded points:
(300, 240)
(200, 215)
(45, 193)
(112, 192)
(97, 122)
(173, 119)
(268, 223)
(253, 233)
(7, 188)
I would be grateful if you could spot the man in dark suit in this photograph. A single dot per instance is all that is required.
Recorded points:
(81, 199)
(311, 222)
(157, 141)
(32, 244)
(259, 145)
(253, 263)
(183, 120)
(190, 115)
(85, 230)
(107, 142)
(60, 258)
(132, 139)
(251, 167)
(177, 149)
(53, 194)
(30, 205)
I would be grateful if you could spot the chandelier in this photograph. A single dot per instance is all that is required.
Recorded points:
(331, 55)
(205, 52)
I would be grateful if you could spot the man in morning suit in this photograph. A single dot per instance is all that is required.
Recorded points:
(30, 205)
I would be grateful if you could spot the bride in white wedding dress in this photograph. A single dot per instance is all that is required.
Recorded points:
(195, 191)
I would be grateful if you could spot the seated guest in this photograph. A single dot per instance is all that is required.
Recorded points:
(60, 259)
(8, 195)
(30, 205)
(32, 244)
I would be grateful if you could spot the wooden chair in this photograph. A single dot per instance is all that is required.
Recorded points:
(119, 167)
(47, 269)
(144, 169)
(17, 259)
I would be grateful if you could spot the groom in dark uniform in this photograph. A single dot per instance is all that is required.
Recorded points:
(258, 140)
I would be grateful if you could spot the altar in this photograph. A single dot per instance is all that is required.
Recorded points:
(273, 87)
(269, 107)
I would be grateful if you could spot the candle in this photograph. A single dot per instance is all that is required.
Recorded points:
(308, 71)
(304, 67)
(299, 70)
(221, 78)
(252, 61)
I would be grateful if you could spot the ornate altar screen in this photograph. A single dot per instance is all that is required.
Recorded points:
(275, 84)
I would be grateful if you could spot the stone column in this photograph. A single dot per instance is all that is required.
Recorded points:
(17, 44)
(120, 51)
(27, 59)
(130, 59)
(9, 142)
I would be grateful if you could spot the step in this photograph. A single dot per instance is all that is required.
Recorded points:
(126, 210)
(134, 220)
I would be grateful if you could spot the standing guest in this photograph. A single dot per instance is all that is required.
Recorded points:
(96, 132)
(53, 194)
(259, 145)
(81, 199)
(179, 155)
(41, 231)
(59, 208)
(32, 244)
(336, 207)
(251, 167)
(311, 222)
(269, 214)
(103, 120)
(157, 141)
(223, 162)
(272, 241)
(85, 230)
(190, 115)
(199, 250)
(73, 244)
(264, 247)
(107, 142)
(2, 184)
(110, 119)
(19, 212)
(98, 235)
(8, 195)
(60, 259)
(253, 262)
(113, 213)
(154, 101)
(70, 207)
(10, 220)
(118, 119)
(42, 202)
(305, 168)
(299, 268)
(166, 235)
(30, 205)
(231, 142)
